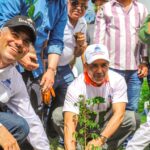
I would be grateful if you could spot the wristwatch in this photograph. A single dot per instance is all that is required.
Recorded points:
(103, 139)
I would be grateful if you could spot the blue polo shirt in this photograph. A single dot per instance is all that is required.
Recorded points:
(50, 17)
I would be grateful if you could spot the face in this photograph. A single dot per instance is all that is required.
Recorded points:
(77, 9)
(14, 45)
(97, 70)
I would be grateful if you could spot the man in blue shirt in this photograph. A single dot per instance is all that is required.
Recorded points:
(50, 17)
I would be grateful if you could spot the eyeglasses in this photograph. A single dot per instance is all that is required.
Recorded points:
(75, 4)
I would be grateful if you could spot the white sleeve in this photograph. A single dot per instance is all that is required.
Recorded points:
(120, 91)
(140, 139)
(72, 97)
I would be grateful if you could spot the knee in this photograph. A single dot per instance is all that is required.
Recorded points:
(57, 116)
(23, 129)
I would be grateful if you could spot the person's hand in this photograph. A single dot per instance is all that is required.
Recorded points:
(96, 143)
(47, 80)
(29, 62)
(142, 70)
(79, 50)
(80, 44)
(46, 96)
(80, 38)
(7, 141)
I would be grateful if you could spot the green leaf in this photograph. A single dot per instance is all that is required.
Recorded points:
(31, 11)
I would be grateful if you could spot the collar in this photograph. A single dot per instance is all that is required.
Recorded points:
(7, 68)
(88, 80)
(113, 2)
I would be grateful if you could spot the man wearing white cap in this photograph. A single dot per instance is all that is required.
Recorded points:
(99, 81)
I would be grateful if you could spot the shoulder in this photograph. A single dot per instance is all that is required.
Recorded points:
(81, 25)
(82, 20)
(141, 6)
(116, 79)
(78, 83)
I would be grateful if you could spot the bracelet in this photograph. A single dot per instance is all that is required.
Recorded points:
(103, 139)
(52, 69)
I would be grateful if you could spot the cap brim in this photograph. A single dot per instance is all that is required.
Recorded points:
(33, 34)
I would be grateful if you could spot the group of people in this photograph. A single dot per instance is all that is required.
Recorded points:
(115, 61)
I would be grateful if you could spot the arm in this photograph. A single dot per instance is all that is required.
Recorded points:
(11, 8)
(112, 126)
(115, 120)
(55, 48)
(143, 35)
(70, 123)
(143, 68)
(29, 61)
(7, 141)
(80, 44)
(48, 77)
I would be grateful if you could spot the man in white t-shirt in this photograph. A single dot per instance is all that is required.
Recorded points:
(16, 38)
(99, 81)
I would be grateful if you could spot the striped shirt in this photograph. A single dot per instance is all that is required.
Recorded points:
(118, 30)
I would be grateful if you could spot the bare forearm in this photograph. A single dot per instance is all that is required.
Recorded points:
(113, 125)
(53, 60)
(70, 142)
(70, 123)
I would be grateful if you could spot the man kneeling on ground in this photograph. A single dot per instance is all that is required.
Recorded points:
(99, 81)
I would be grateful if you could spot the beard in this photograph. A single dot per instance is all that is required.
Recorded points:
(99, 77)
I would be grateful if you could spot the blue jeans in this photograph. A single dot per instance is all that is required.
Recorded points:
(16, 125)
(134, 84)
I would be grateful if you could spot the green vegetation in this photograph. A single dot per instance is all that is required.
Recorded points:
(145, 96)
(88, 128)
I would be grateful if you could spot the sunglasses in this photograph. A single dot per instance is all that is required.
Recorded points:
(75, 4)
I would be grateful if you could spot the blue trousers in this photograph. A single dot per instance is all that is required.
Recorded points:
(134, 84)
(16, 125)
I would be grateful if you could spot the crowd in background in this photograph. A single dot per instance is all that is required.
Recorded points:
(97, 48)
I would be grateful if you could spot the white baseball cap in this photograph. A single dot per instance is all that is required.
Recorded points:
(96, 51)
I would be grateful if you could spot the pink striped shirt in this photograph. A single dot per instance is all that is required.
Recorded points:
(118, 30)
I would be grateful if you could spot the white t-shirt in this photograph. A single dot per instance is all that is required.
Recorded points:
(114, 91)
(69, 40)
(14, 94)
(11, 84)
